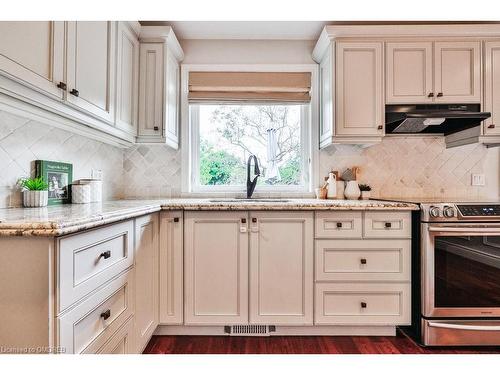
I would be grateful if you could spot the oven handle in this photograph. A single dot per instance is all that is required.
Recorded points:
(466, 230)
(463, 327)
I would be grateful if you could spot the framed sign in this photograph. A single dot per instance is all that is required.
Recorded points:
(59, 177)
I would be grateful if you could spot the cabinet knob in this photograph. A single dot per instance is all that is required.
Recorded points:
(431, 95)
(62, 86)
(75, 92)
(243, 221)
(362, 261)
(176, 219)
(388, 225)
(254, 219)
(106, 314)
(491, 126)
(105, 255)
(380, 127)
(155, 128)
(363, 305)
(439, 94)
(339, 225)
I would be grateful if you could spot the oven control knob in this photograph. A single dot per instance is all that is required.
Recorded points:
(448, 212)
(434, 211)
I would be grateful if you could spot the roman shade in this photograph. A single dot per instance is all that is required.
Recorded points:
(250, 86)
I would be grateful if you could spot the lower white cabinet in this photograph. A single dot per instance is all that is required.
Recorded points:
(216, 268)
(146, 278)
(122, 342)
(281, 268)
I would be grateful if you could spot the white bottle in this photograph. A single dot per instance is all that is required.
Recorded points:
(332, 186)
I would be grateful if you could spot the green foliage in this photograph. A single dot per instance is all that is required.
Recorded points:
(364, 187)
(37, 183)
(290, 172)
(218, 167)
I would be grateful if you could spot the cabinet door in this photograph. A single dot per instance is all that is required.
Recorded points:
(492, 88)
(171, 267)
(326, 100)
(91, 67)
(457, 72)
(409, 72)
(33, 53)
(127, 84)
(359, 92)
(146, 274)
(216, 268)
(151, 90)
(281, 268)
(172, 101)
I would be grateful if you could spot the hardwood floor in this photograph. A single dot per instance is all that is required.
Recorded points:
(400, 344)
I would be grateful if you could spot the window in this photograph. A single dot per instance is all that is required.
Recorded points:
(224, 135)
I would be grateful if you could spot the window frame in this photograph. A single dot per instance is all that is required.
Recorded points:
(190, 136)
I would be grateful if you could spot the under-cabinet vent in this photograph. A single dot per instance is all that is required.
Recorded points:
(249, 330)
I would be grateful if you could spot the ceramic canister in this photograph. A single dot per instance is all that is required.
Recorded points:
(80, 193)
(95, 188)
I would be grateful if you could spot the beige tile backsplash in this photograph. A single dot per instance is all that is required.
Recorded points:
(397, 167)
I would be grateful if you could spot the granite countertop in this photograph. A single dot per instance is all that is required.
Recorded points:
(60, 220)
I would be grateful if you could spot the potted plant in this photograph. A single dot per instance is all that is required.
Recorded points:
(365, 191)
(35, 192)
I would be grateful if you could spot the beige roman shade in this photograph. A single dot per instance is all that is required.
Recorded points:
(256, 86)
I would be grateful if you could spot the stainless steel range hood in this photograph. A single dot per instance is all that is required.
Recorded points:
(432, 118)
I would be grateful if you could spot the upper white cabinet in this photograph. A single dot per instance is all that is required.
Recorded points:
(352, 93)
(492, 88)
(91, 67)
(281, 268)
(159, 85)
(433, 72)
(457, 72)
(127, 78)
(33, 54)
(409, 72)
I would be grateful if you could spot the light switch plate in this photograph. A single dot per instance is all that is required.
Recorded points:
(96, 174)
(478, 180)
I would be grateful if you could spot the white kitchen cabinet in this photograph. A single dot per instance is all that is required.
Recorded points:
(359, 89)
(147, 278)
(326, 77)
(91, 49)
(127, 78)
(159, 86)
(33, 54)
(457, 72)
(215, 268)
(492, 88)
(171, 267)
(281, 268)
(409, 72)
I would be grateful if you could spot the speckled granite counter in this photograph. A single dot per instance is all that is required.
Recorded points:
(61, 220)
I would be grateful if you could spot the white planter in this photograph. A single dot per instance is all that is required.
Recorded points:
(365, 195)
(35, 198)
(352, 190)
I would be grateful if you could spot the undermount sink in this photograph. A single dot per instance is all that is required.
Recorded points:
(233, 200)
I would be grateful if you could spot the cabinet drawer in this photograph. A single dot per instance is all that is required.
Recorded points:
(120, 343)
(338, 224)
(387, 224)
(363, 260)
(97, 318)
(90, 259)
(362, 304)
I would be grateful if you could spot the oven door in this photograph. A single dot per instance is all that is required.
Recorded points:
(461, 270)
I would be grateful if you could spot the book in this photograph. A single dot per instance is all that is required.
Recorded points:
(59, 177)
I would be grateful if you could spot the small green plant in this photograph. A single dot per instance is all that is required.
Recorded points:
(365, 187)
(37, 183)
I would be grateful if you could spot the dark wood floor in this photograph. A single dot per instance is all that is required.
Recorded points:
(399, 344)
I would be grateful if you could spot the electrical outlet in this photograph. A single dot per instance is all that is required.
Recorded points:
(478, 180)
(96, 174)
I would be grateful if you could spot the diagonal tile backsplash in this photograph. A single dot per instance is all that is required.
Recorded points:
(397, 167)
(22, 141)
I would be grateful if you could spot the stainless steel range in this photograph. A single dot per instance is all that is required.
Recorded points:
(459, 271)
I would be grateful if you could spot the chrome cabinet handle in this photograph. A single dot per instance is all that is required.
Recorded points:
(463, 326)
(105, 254)
(106, 314)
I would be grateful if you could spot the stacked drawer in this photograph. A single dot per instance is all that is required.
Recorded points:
(95, 290)
(362, 267)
